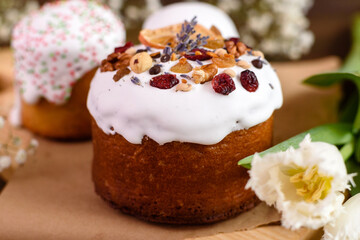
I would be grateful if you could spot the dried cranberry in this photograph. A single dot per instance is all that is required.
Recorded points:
(257, 63)
(223, 84)
(122, 49)
(164, 81)
(235, 40)
(249, 81)
(201, 57)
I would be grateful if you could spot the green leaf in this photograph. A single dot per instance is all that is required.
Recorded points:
(328, 79)
(336, 133)
(353, 167)
(348, 149)
(348, 109)
(357, 149)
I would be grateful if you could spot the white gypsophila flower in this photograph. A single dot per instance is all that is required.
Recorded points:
(5, 162)
(115, 5)
(346, 225)
(260, 23)
(153, 5)
(229, 5)
(304, 184)
(283, 20)
(20, 157)
(2, 122)
(33, 146)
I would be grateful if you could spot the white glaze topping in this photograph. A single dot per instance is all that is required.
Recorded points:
(198, 116)
(58, 44)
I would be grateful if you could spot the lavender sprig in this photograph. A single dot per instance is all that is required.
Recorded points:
(184, 43)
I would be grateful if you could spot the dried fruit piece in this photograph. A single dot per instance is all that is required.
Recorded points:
(204, 73)
(120, 73)
(212, 54)
(173, 57)
(230, 72)
(214, 44)
(182, 66)
(243, 64)
(249, 81)
(156, 69)
(155, 55)
(257, 63)
(122, 49)
(140, 62)
(184, 87)
(226, 61)
(223, 84)
(159, 38)
(165, 58)
(234, 40)
(202, 56)
(164, 81)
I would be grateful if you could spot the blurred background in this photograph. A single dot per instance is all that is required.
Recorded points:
(283, 29)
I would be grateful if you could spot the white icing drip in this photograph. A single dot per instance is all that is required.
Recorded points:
(199, 116)
(57, 45)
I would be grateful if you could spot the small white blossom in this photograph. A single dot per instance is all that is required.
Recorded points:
(2, 122)
(346, 225)
(5, 162)
(304, 184)
(20, 157)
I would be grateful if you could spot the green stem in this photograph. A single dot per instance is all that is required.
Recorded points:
(352, 62)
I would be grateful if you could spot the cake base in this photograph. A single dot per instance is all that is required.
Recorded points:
(68, 121)
(177, 183)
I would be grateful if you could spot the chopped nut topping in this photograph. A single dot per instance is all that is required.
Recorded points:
(243, 64)
(220, 52)
(140, 62)
(198, 75)
(204, 73)
(258, 54)
(115, 61)
(131, 51)
(237, 49)
(184, 87)
(230, 72)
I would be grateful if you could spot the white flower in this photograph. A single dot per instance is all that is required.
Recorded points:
(305, 184)
(33, 146)
(20, 157)
(5, 162)
(2, 122)
(345, 226)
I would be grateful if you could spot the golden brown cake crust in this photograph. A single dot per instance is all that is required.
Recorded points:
(177, 183)
(68, 121)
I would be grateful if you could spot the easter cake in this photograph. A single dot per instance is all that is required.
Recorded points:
(171, 119)
(57, 50)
